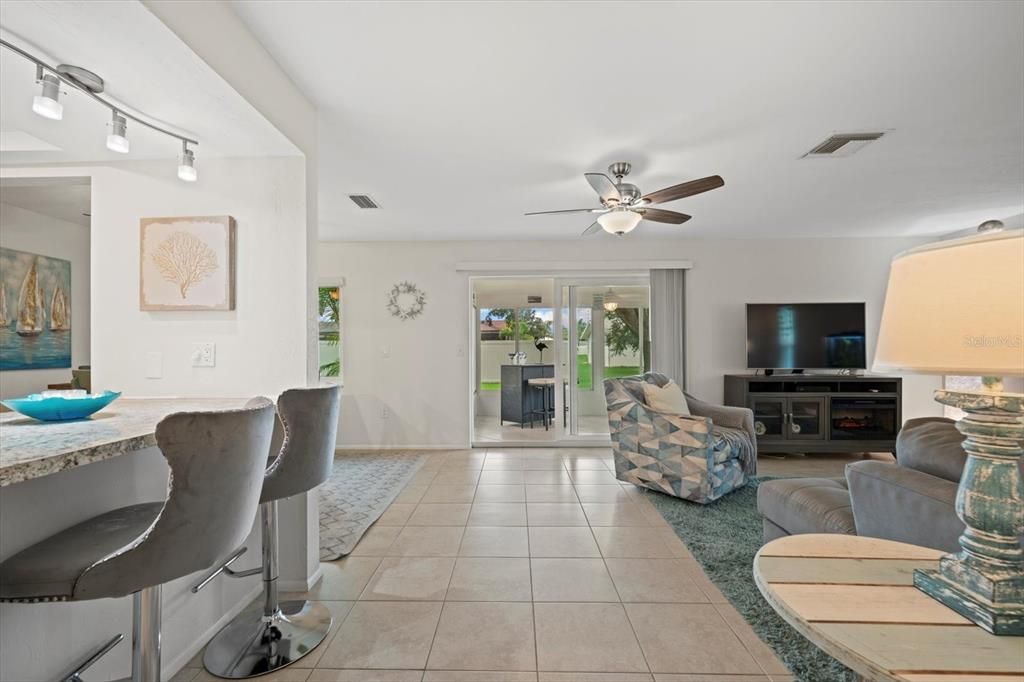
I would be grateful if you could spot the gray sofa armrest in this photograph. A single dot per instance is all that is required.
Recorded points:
(932, 445)
(895, 503)
(724, 415)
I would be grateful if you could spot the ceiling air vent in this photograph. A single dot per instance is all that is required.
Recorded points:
(363, 201)
(842, 144)
(534, 299)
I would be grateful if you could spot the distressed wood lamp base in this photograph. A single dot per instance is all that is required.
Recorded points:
(984, 581)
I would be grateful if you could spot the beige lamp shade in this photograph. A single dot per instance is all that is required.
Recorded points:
(956, 307)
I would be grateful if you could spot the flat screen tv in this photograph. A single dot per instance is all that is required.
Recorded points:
(805, 336)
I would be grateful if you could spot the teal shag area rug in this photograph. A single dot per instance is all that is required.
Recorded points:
(724, 536)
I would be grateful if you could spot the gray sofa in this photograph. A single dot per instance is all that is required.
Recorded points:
(910, 500)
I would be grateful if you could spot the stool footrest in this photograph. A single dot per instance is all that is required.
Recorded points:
(76, 674)
(226, 568)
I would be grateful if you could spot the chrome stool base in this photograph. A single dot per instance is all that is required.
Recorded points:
(249, 647)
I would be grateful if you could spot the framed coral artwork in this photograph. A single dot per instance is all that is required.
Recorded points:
(187, 263)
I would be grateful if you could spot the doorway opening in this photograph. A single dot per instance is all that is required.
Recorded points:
(45, 239)
(542, 349)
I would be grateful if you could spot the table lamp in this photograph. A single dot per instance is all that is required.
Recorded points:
(956, 307)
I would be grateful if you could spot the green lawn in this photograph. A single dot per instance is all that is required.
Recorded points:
(584, 372)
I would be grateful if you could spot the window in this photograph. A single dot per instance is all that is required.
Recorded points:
(627, 341)
(503, 332)
(329, 337)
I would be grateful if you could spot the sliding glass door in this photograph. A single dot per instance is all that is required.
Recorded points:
(602, 328)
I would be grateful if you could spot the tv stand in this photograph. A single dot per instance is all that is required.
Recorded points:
(802, 413)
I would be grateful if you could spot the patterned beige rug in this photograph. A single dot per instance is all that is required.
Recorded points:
(360, 488)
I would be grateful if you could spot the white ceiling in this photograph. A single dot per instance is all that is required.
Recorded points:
(458, 117)
(67, 199)
(146, 67)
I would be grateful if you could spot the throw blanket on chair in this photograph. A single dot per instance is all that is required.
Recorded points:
(698, 457)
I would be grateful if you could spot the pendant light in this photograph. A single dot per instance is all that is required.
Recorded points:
(187, 164)
(46, 104)
(611, 304)
(117, 140)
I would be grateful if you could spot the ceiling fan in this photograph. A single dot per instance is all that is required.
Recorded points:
(623, 207)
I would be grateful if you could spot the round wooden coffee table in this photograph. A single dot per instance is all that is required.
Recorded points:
(855, 599)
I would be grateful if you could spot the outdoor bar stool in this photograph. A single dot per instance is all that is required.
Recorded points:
(217, 461)
(544, 385)
(301, 458)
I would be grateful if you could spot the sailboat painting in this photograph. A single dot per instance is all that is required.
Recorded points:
(35, 311)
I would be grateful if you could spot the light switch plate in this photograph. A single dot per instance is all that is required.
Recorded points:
(204, 354)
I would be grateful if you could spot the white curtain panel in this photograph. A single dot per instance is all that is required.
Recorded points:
(668, 323)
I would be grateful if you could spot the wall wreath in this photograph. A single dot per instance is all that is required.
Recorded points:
(406, 301)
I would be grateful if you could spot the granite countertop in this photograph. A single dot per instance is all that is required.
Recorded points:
(32, 449)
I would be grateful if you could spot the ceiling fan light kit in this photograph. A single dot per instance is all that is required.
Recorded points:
(619, 221)
(623, 205)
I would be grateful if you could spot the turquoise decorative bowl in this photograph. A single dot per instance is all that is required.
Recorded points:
(61, 408)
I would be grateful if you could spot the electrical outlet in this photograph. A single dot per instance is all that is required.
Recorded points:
(204, 354)
(385, 412)
(385, 351)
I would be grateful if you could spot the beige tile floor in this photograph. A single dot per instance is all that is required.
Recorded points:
(487, 430)
(524, 564)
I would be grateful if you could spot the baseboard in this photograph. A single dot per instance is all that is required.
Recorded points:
(544, 444)
(400, 446)
(301, 585)
(171, 668)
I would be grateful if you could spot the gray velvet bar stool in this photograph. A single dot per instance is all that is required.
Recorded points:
(301, 458)
(217, 462)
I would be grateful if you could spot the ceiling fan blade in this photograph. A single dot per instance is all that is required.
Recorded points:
(604, 187)
(593, 229)
(659, 215)
(686, 189)
(570, 210)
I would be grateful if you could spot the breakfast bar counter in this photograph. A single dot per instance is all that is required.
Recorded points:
(31, 449)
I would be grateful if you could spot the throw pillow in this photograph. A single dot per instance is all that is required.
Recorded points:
(668, 399)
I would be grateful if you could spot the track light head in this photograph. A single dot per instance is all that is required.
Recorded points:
(46, 103)
(187, 164)
(117, 140)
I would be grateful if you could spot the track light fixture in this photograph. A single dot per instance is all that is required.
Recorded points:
(187, 164)
(117, 140)
(47, 104)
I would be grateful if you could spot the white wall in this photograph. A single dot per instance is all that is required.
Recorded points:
(261, 345)
(419, 369)
(25, 230)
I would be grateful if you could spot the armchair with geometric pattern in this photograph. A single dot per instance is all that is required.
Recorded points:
(697, 457)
